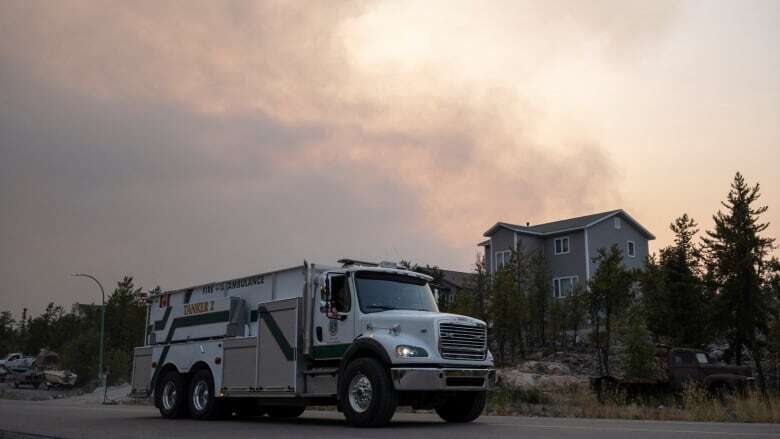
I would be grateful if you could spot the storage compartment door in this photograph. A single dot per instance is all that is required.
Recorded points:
(277, 345)
(142, 369)
(238, 368)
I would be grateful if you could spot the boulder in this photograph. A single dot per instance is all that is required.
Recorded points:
(545, 368)
(517, 378)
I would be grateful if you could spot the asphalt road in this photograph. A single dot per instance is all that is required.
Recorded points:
(62, 419)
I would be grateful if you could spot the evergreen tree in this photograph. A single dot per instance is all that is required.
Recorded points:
(42, 331)
(507, 309)
(575, 309)
(608, 297)
(638, 356)
(482, 289)
(556, 328)
(7, 333)
(674, 295)
(539, 292)
(738, 255)
(521, 284)
(125, 320)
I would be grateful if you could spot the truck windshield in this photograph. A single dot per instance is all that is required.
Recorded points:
(388, 291)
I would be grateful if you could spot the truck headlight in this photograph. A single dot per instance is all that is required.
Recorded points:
(405, 351)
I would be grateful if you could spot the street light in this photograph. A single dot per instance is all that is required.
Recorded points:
(102, 324)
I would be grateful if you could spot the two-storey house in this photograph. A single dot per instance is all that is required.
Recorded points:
(570, 245)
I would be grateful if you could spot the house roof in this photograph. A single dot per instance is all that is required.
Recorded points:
(571, 224)
(458, 278)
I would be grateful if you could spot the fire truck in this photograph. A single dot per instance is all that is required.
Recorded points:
(360, 336)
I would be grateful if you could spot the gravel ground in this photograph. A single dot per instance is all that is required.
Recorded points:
(115, 395)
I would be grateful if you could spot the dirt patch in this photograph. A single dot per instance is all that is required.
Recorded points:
(28, 393)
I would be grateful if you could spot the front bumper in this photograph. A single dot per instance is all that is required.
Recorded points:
(412, 378)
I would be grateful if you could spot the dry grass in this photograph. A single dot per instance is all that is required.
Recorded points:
(693, 404)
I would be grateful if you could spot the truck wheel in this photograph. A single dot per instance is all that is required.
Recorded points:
(203, 403)
(285, 411)
(366, 395)
(463, 407)
(720, 390)
(170, 396)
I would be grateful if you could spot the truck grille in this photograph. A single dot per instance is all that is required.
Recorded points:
(459, 341)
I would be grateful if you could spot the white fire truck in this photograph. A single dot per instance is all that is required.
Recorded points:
(364, 337)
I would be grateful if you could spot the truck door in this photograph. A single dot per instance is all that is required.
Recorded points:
(683, 367)
(334, 324)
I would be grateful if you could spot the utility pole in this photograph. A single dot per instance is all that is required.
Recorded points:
(102, 324)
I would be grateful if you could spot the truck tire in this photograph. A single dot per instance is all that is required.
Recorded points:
(366, 394)
(463, 407)
(201, 398)
(285, 411)
(720, 390)
(170, 396)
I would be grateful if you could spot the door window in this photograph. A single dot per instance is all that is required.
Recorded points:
(684, 359)
(341, 299)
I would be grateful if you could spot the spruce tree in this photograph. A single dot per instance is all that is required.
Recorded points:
(674, 296)
(737, 256)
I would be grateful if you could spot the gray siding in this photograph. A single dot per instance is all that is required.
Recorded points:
(569, 264)
(503, 239)
(530, 243)
(604, 235)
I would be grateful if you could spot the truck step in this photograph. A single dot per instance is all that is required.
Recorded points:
(322, 371)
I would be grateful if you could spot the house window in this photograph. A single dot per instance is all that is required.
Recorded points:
(631, 248)
(562, 245)
(562, 286)
(617, 222)
(502, 258)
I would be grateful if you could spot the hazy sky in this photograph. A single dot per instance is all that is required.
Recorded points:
(183, 142)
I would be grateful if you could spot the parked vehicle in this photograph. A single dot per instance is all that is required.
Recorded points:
(26, 376)
(47, 365)
(678, 367)
(16, 359)
(44, 370)
(364, 337)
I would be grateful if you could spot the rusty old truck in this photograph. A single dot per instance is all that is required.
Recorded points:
(676, 368)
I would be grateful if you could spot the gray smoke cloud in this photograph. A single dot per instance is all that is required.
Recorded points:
(187, 142)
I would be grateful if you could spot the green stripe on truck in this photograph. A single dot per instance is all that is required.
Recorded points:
(324, 352)
(183, 322)
(276, 332)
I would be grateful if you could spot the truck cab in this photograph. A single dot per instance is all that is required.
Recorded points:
(695, 366)
(389, 316)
